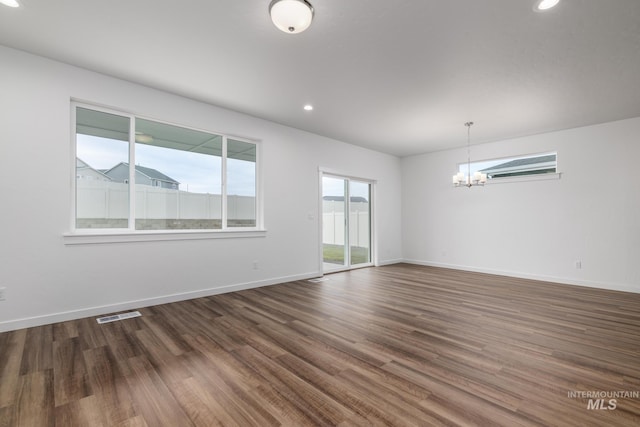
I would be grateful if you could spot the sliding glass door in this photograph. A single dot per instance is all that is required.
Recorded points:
(346, 223)
(359, 223)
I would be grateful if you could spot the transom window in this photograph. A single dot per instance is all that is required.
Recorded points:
(139, 174)
(517, 166)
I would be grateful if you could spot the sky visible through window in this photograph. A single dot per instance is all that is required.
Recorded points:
(185, 167)
(335, 187)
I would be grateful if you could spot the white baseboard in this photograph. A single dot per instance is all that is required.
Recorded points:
(28, 322)
(389, 262)
(562, 280)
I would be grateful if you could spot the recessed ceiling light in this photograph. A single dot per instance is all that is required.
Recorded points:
(10, 3)
(308, 107)
(542, 5)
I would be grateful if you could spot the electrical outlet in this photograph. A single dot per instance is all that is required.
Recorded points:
(3, 295)
(255, 265)
(579, 265)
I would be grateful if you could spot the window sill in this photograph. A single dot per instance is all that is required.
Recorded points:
(542, 177)
(95, 237)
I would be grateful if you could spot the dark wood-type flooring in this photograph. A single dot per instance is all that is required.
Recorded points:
(399, 345)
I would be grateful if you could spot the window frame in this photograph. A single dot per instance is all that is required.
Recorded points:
(130, 233)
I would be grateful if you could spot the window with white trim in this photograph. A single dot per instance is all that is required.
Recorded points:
(137, 174)
(517, 166)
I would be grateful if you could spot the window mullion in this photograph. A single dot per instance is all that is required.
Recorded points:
(132, 173)
(347, 221)
(74, 175)
(224, 183)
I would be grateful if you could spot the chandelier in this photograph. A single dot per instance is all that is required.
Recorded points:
(291, 16)
(468, 180)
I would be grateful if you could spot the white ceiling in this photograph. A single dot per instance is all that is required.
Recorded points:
(397, 76)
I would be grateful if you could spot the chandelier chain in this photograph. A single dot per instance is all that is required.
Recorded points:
(478, 178)
(468, 125)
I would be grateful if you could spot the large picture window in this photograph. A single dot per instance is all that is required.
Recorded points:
(140, 174)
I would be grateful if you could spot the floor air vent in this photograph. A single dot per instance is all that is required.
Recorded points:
(318, 280)
(117, 317)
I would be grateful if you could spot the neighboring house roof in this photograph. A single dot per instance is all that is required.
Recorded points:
(155, 174)
(526, 164)
(82, 165)
(148, 172)
(353, 199)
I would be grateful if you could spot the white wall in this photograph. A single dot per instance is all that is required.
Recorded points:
(48, 281)
(536, 229)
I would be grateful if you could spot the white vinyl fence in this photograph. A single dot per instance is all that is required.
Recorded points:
(110, 200)
(333, 224)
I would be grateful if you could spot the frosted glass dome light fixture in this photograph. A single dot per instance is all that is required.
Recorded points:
(543, 5)
(291, 16)
(10, 3)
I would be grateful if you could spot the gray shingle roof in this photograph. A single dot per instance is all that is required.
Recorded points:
(523, 162)
(155, 174)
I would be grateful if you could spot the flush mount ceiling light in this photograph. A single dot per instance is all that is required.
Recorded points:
(291, 16)
(10, 3)
(542, 5)
(468, 180)
(308, 107)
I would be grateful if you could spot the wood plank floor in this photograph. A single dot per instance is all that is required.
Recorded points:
(399, 345)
